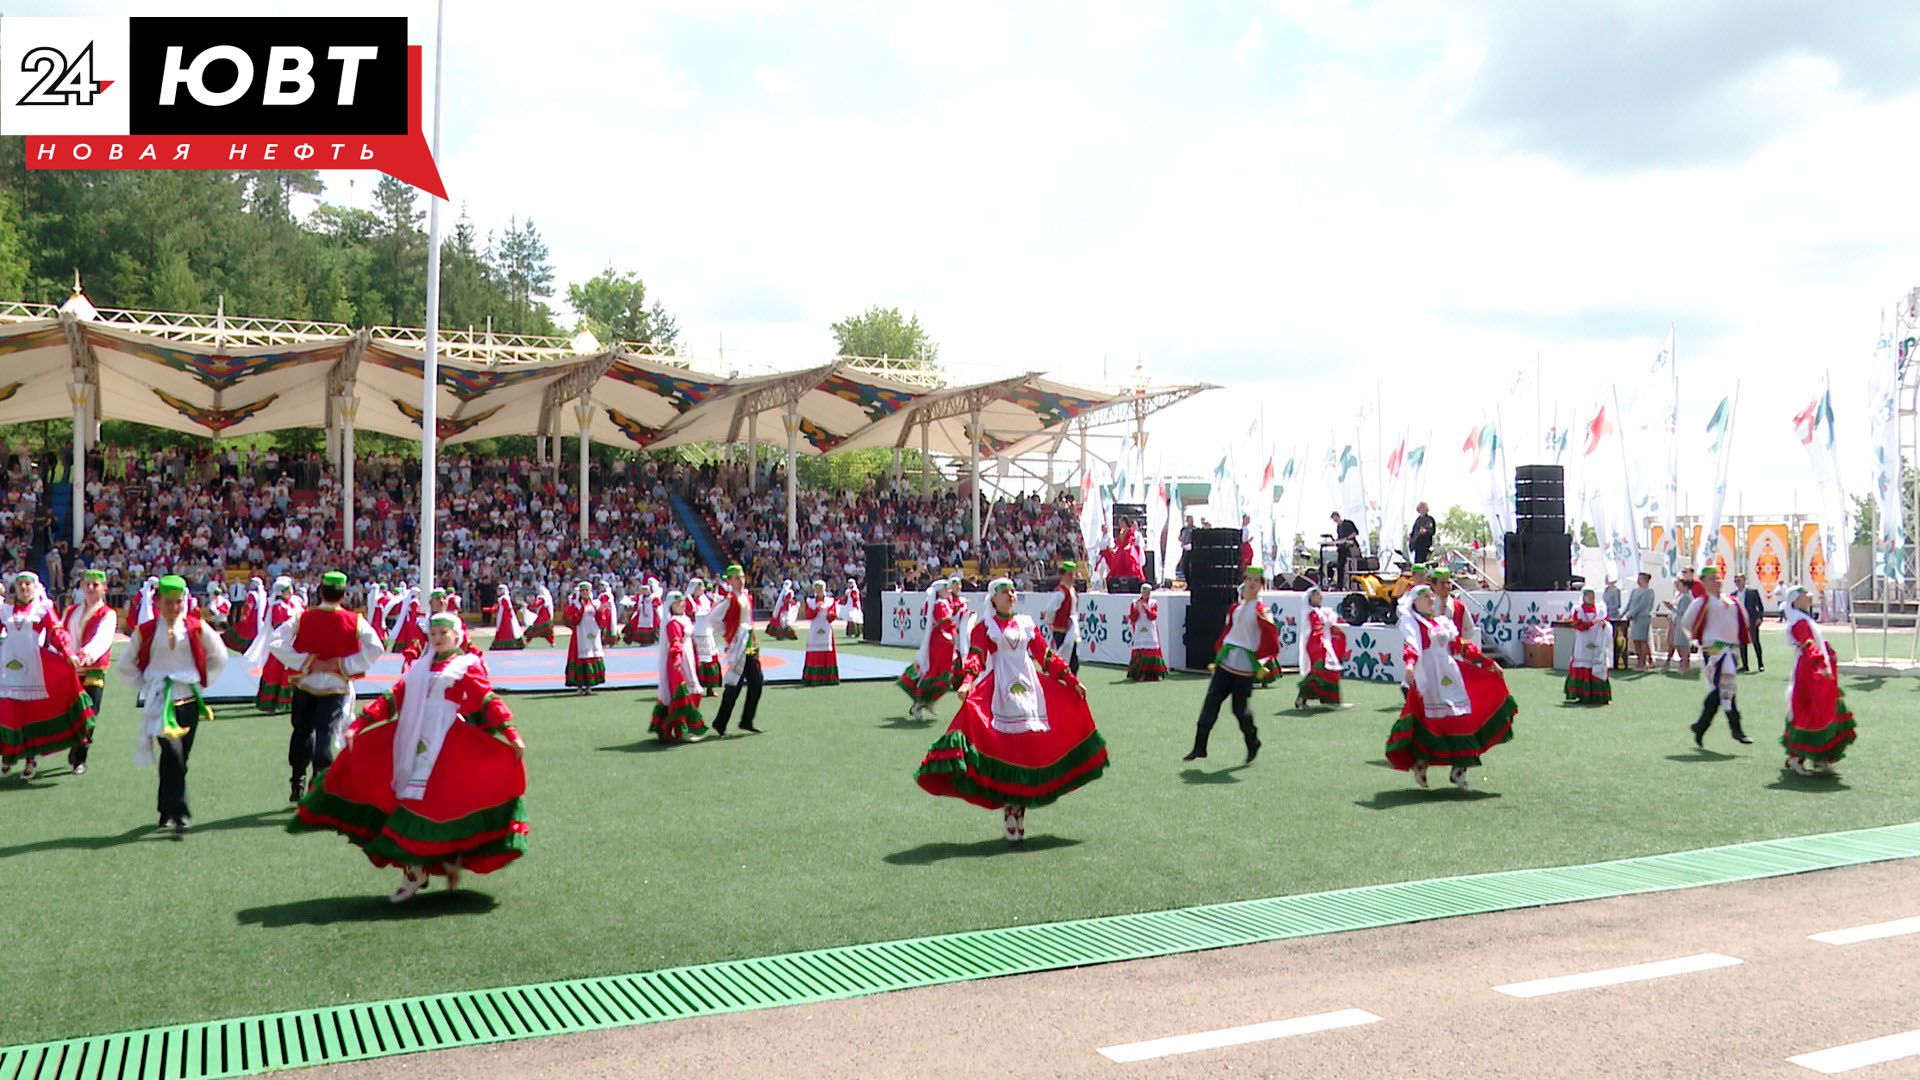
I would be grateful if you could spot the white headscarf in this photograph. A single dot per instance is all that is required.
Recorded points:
(143, 611)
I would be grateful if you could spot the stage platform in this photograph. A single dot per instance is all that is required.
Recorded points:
(543, 670)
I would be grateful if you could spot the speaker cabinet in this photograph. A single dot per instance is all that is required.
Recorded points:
(879, 580)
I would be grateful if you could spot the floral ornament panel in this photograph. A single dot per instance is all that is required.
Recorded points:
(214, 420)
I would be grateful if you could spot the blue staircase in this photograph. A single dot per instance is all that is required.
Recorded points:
(703, 541)
(61, 497)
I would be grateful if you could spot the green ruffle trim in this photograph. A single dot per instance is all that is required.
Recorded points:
(71, 728)
(967, 771)
(1409, 736)
(408, 825)
(1317, 686)
(273, 699)
(1827, 744)
(587, 672)
(357, 817)
(675, 723)
(820, 675)
(514, 841)
(1588, 691)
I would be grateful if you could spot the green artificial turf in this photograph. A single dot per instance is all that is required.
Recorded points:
(814, 834)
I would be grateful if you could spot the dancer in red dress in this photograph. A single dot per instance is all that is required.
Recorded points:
(590, 617)
(1323, 654)
(1820, 727)
(1457, 708)
(936, 669)
(1588, 670)
(1023, 736)
(1146, 664)
(780, 617)
(541, 624)
(676, 710)
(822, 667)
(431, 778)
(275, 693)
(508, 632)
(851, 609)
(90, 625)
(42, 708)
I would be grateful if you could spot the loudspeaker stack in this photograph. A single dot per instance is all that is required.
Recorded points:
(879, 580)
(1213, 574)
(1539, 551)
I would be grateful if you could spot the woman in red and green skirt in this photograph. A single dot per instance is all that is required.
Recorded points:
(431, 778)
(822, 666)
(676, 713)
(1590, 668)
(42, 707)
(1457, 708)
(1819, 725)
(936, 670)
(1023, 736)
(1323, 654)
(1145, 663)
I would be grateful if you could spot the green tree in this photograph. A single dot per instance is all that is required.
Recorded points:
(400, 251)
(15, 267)
(1462, 528)
(882, 331)
(1588, 538)
(521, 263)
(851, 470)
(613, 307)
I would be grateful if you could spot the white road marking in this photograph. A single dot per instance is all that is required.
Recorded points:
(1213, 1040)
(1857, 934)
(1859, 1055)
(1587, 980)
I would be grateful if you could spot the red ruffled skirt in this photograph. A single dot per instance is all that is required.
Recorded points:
(62, 719)
(992, 768)
(1455, 740)
(473, 810)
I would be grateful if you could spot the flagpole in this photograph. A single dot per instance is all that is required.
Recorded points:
(430, 371)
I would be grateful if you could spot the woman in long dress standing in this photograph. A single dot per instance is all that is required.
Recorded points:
(1457, 708)
(1323, 654)
(1819, 725)
(676, 713)
(431, 778)
(1146, 663)
(1589, 671)
(822, 667)
(1023, 736)
(935, 671)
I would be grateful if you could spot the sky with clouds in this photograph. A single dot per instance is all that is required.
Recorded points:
(1316, 205)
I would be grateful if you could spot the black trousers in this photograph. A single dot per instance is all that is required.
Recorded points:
(313, 718)
(1059, 646)
(173, 755)
(1224, 685)
(1422, 550)
(1758, 658)
(750, 678)
(78, 755)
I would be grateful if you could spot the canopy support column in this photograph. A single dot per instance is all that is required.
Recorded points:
(346, 409)
(926, 461)
(80, 393)
(793, 472)
(583, 411)
(753, 453)
(973, 467)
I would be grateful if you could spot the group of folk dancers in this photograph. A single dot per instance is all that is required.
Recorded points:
(429, 776)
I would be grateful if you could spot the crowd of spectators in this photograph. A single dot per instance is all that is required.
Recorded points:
(225, 514)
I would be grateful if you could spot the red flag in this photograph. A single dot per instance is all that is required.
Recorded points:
(1266, 475)
(1597, 430)
(1806, 420)
(1472, 446)
(1397, 459)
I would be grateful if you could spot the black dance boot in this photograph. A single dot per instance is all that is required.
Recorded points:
(1706, 718)
(1733, 725)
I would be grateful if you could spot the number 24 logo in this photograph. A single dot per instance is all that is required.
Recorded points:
(60, 82)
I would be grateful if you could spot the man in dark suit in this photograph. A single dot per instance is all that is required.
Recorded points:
(1750, 600)
(1347, 535)
(1420, 540)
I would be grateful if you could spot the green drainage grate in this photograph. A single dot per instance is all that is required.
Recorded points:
(332, 1035)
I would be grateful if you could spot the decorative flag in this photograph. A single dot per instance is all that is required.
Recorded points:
(1720, 447)
(1889, 544)
(1667, 364)
(1266, 476)
(1472, 449)
(1597, 431)
(1813, 426)
(1396, 459)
